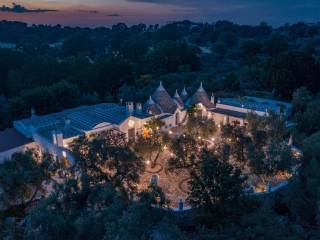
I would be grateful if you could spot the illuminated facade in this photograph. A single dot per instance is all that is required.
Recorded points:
(53, 132)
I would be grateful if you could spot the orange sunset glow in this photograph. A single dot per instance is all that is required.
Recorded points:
(108, 12)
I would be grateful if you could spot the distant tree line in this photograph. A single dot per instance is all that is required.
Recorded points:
(121, 62)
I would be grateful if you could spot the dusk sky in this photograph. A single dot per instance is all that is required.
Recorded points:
(107, 12)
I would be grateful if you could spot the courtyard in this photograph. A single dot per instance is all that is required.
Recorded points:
(175, 182)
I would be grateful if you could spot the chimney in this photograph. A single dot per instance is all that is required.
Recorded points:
(54, 137)
(212, 99)
(60, 139)
(129, 108)
(139, 108)
(33, 113)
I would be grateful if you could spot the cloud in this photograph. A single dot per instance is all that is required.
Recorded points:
(96, 12)
(16, 8)
(114, 15)
(88, 11)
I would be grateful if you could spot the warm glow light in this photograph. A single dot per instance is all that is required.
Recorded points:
(148, 162)
(170, 132)
(131, 123)
(213, 139)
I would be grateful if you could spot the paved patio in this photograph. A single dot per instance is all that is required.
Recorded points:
(174, 184)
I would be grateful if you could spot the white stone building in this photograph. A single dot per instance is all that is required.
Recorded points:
(53, 132)
(12, 141)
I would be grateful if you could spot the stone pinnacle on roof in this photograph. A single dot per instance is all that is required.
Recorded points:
(184, 92)
(150, 101)
(201, 89)
(176, 95)
(160, 88)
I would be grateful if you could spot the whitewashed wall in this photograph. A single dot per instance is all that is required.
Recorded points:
(7, 154)
(239, 109)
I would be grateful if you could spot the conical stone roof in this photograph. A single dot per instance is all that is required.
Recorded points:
(184, 94)
(202, 97)
(151, 107)
(162, 98)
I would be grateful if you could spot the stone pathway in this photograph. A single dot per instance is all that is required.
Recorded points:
(174, 184)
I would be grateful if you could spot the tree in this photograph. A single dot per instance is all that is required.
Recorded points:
(170, 31)
(275, 126)
(267, 161)
(36, 71)
(216, 189)
(231, 82)
(77, 210)
(185, 150)
(264, 128)
(200, 127)
(113, 73)
(107, 157)
(228, 38)
(9, 60)
(78, 44)
(171, 56)
(279, 157)
(44, 100)
(166, 230)
(220, 48)
(256, 126)
(149, 145)
(275, 44)
(302, 196)
(22, 181)
(306, 111)
(267, 153)
(3, 112)
(300, 99)
(236, 137)
(135, 47)
(311, 146)
(153, 196)
(251, 47)
(256, 156)
(288, 71)
(307, 120)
